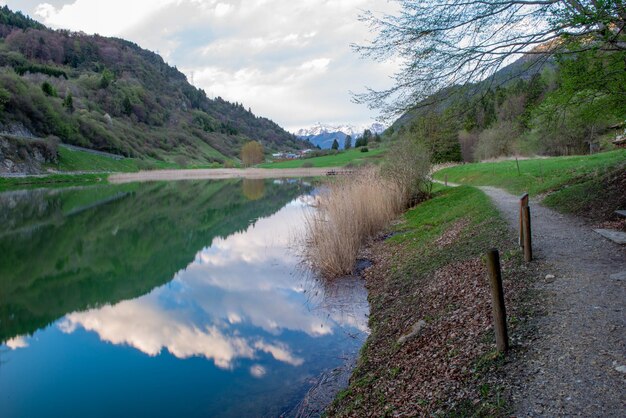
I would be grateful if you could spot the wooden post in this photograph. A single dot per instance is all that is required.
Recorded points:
(497, 297)
(523, 202)
(519, 173)
(528, 247)
(446, 179)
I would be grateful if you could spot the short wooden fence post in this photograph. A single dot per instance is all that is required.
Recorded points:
(446, 180)
(497, 297)
(528, 247)
(523, 202)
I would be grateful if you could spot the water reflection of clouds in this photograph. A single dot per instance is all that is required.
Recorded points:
(16, 342)
(244, 280)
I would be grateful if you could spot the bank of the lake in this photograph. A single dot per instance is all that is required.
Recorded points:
(15, 182)
(220, 173)
(431, 348)
(72, 179)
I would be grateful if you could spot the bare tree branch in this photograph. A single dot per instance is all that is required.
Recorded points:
(460, 42)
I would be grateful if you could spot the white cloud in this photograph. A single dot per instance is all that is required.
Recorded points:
(249, 51)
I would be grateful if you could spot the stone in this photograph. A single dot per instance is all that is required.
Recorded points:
(550, 276)
(618, 237)
(621, 276)
(415, 330)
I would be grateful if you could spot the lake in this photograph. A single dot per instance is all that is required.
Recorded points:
(166, 299)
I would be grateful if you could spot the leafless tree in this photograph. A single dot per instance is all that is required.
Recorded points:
(455, 42)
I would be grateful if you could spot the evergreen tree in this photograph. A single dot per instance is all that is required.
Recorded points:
(49, 89)
(68, 102)
(347, 143)
(335, 144)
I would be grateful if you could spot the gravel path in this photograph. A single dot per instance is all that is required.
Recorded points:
(576, 363)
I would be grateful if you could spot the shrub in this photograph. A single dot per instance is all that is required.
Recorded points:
(496, 141)
(364, 149)
(307, 164)
(407, 164)
(351, 211)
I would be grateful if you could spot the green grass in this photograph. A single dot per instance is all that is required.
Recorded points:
(354, 156)
(536, 175)
(74, 160)
(51, 180)
(428, 220)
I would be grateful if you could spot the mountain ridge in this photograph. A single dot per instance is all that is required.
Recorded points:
(323, 135)
(109, 94)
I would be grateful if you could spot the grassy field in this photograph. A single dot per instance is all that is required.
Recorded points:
(74, 160)
(353, 156)
(535, 176)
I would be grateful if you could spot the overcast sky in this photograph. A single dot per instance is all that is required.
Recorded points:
(289, 60)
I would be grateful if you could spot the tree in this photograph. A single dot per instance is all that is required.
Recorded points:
(106, 78)
(48, 89)
(367, 136)
(127, 106)
(335, 144)
(5, 97)
(252, 153)
(347, 143)
(457, 42)
(68, 102)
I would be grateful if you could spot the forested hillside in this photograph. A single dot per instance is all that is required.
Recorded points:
(551, 105)
(111, 95)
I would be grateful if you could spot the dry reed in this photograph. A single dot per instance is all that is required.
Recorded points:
(351, 211)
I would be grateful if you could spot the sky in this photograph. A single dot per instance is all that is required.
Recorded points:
(288, 60)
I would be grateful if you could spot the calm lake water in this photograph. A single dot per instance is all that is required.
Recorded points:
(165, 299)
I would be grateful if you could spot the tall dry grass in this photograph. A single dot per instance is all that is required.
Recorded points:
(350, 211)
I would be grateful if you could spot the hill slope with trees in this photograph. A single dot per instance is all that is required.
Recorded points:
(562, 105)
(109, 94)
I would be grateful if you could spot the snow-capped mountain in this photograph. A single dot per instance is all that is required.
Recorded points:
(323, 135)
(352, 130)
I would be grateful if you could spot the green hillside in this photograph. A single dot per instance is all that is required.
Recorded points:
(109, 94)
(539, 105)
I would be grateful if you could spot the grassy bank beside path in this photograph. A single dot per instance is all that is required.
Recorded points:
(431, 348)
(591, 186)
(352, 156)
(535, 175)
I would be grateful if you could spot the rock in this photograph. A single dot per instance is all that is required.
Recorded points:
(621, 369)
(415, 330)
(617, 237)
(550, 276)
(621, 276)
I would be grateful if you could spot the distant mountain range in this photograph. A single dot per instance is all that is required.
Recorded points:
(323, 135)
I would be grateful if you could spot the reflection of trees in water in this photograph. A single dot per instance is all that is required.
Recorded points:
(71, 250)
(253, 189)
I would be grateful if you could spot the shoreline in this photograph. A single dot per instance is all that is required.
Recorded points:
(219, 173)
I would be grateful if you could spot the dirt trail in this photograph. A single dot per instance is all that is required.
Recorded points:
(576, 363)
